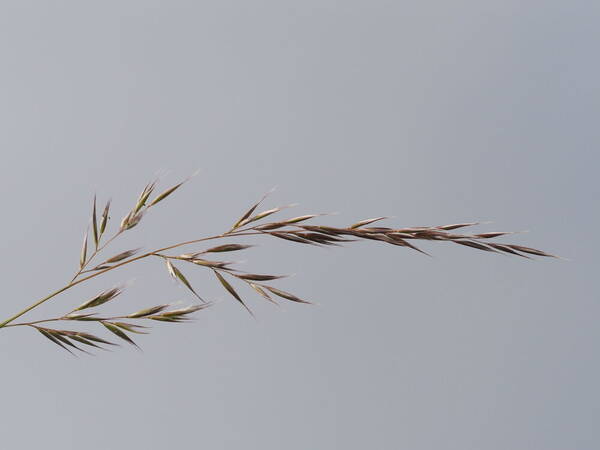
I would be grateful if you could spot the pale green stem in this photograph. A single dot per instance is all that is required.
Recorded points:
(93, 255)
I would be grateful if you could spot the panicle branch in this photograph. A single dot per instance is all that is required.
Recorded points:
(298, 230)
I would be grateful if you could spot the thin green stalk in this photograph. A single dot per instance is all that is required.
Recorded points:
(93, 255)
(62, 318)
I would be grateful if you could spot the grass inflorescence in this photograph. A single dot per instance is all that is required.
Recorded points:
(297, 230)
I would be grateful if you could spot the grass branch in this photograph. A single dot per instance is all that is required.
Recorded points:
(297, 230)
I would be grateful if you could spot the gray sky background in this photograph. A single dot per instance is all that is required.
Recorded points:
(432, 112)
